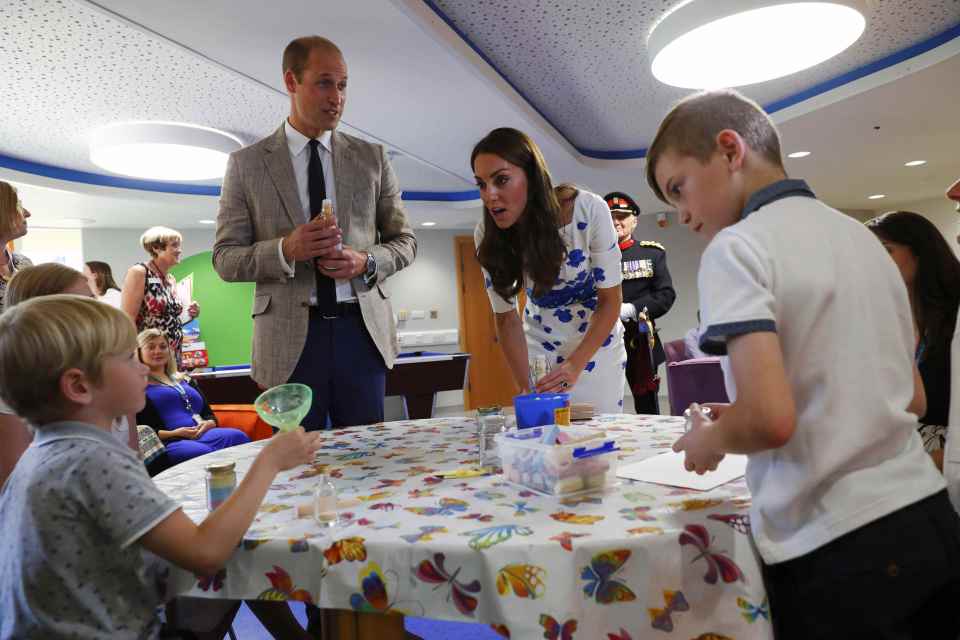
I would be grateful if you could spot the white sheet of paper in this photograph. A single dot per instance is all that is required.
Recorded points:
(667, 468)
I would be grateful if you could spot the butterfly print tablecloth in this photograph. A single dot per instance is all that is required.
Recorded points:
(636, 561)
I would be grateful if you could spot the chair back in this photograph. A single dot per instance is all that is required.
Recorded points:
(675, 350)
(695, 380)
(243, 417)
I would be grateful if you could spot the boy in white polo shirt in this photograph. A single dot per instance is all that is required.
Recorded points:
(849, 515)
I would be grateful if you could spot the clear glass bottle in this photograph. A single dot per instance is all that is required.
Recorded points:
(539, 367)
(490, 422)
(325, 502)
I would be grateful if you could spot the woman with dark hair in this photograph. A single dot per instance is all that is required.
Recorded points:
(100, 278)
(931, 273)
(559, 245)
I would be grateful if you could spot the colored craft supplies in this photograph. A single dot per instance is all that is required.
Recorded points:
(221, 480)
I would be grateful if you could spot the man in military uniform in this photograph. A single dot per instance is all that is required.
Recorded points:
(647, 294)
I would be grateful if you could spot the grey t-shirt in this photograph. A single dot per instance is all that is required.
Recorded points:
(72, 512)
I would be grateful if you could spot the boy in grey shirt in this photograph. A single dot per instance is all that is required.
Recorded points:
(79, 507)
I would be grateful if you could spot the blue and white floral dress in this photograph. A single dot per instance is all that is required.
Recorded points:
(555, 323)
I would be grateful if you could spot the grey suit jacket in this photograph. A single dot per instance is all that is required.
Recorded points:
(259, 205)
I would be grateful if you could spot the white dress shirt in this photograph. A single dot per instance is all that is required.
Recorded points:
(300, 158)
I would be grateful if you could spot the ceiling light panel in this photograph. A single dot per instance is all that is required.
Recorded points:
(708, 45)
(162, 150)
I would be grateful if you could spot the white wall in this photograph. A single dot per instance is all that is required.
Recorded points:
(429, 283)
(120, 248)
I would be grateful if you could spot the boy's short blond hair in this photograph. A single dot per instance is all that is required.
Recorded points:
(155, 239)
(691, 128)
(42, 338)
(41, 280)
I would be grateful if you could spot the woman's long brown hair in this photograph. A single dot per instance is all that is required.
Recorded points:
(533, 244)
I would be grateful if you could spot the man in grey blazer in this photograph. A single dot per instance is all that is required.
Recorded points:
(321, 315)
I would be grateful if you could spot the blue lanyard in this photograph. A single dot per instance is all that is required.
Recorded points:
(183, 394)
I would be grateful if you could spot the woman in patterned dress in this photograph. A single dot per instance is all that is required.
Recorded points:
(559, 245)
(149, 293)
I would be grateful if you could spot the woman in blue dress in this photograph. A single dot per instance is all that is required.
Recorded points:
(175, 408)
(559, 245)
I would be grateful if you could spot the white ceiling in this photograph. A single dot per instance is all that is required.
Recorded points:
(585, 66)
(68, 66)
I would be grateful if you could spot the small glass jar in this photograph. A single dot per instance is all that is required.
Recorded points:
(539, 367)
(490, 422)
(325, 502)
(220, 481)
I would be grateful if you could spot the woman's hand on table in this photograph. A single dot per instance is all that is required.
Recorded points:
(291, 449)
(561, 379)
(187, 433)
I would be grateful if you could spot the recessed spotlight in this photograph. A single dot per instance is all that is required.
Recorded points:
(692, 46)
(914, 163)
(162, 150)
(428, 224)
(207, 221)
(877, 196)
(798, 154)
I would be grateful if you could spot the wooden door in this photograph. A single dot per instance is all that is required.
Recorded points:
(489, 379)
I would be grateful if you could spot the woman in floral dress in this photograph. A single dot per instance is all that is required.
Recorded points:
(149, 293)
(559, 245)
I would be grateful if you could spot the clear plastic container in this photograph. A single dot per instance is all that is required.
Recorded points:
(325, 502)
(589, 463)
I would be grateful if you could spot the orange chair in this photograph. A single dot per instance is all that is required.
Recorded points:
(243, 417)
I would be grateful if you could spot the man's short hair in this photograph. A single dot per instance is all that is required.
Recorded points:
(42, 338)
(155, 239)
(691, 128)
(298, 51)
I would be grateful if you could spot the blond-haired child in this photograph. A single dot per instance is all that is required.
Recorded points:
(79, 508)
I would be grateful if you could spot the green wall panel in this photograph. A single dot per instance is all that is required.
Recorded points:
(225, 323)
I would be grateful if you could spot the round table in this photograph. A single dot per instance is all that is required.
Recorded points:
(637, 560)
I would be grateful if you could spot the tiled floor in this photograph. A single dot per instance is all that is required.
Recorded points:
(247, 627)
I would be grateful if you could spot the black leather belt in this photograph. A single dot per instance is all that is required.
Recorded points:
(343, 309)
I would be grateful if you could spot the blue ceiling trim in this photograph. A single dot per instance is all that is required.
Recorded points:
(71, 175)
(894, 58)
(441, 196)
(632, 154)
(85, 177)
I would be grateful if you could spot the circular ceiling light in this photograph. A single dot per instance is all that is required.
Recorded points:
(876, 196)
(798, 154)
(428, 224)
(162, 150)
(207, 221)
(914, 163)
(706, 44)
